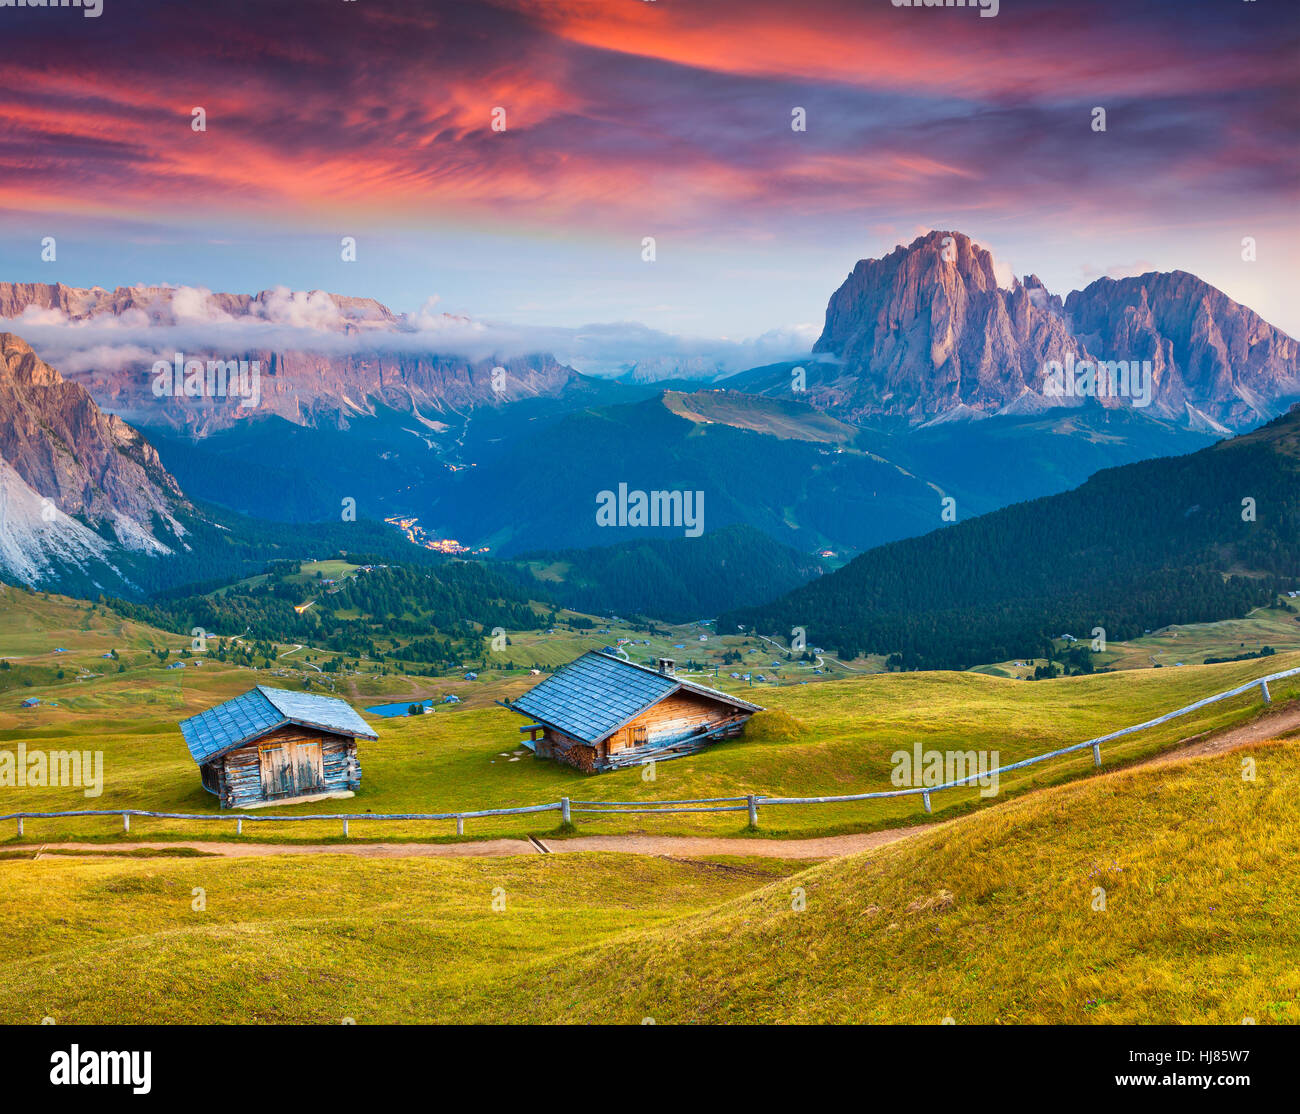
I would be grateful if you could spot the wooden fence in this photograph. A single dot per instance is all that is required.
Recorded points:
(750, 803)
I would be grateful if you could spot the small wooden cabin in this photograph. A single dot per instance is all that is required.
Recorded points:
(272, 746)
(600, 712)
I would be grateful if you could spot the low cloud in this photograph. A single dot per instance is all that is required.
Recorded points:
(194, 320)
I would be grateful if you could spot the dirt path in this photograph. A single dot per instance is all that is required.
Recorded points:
(1274, 725)
(680, 846)
(487, 847)
(827, 847)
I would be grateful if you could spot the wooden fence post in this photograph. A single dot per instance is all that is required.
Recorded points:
(239, 825)
(126, 822)
(753, 811)
(1263, 686)
(1096, 754)
(926, 798)
(20, 827)
(564, 809)
(460, 825)
(345, 829)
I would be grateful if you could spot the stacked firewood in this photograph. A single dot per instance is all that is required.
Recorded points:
(580, 756)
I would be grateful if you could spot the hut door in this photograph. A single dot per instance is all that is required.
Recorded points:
(277, 769)
(308, 769)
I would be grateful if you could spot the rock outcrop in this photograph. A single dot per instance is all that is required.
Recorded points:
(77, 482)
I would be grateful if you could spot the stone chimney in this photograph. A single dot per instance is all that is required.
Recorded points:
(667, 666)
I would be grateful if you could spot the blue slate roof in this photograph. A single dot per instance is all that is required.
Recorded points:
(259, 712)
(596, 694)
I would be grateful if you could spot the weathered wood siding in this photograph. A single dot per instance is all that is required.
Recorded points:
(675, 717)
(309, 762)
(210, 772)
(671, 718)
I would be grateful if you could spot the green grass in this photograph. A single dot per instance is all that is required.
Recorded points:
(833, 738)
(1194, 642)
(320, 938)
(791, 421)
(33, 625)
(995, 918)
(992, 918)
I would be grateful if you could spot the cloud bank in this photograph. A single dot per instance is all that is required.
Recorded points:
(193, 319)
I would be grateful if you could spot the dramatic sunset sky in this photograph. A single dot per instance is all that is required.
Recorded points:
(635, 118)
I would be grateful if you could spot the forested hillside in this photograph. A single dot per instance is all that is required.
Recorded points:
(1186, 539)
(675, 580)
(434, 615)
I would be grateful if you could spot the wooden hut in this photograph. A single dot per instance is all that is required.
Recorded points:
(273, 746)
(600, 712)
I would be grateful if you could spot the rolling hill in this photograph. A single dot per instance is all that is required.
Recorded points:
(997, 918)
(990, 918)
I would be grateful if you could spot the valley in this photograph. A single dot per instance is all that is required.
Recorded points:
(926, 385)
(902, 547)
(995, 582)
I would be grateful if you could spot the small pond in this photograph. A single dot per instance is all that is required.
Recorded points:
(402, 709)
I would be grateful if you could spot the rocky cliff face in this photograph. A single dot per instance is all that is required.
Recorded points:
(1211, 357)
(76, 481)
(322, 389)
(321, 358)
(926, 331)
(927, 334)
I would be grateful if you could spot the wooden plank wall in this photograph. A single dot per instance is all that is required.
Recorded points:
(239, 773)
(671, 718)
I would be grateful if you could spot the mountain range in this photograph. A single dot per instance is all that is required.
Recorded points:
(76, 485)
(928, 396)
(323, 359)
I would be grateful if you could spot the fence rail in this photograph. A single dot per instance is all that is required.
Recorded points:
(750, 803)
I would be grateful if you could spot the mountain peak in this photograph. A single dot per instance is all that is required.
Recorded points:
(928, 331)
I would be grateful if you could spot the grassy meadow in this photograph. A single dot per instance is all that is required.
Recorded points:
(317, 938)
(987, 917)
(826, 739)
(1166, 894)
(994, 917)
